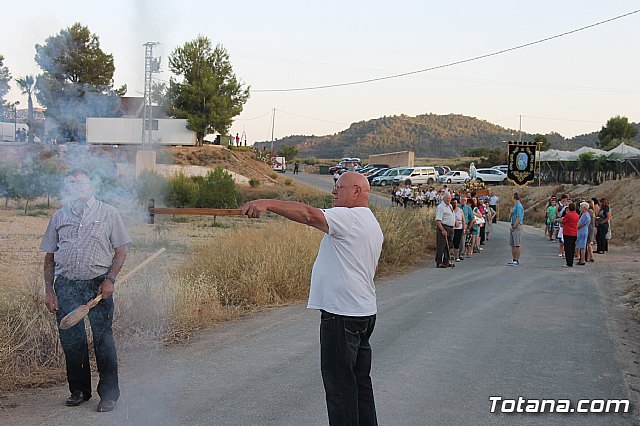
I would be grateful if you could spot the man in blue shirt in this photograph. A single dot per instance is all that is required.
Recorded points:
(515, 232)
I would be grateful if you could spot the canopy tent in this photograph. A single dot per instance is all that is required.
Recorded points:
(620, 152)
(623, 151)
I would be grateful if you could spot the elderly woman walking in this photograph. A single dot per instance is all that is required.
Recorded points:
(583, 232)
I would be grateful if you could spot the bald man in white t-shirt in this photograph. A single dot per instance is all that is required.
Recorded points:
(342, 289)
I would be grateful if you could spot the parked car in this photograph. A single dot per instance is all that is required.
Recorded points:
(454, 176)
(369, 172)
(442, 170)
(503, 168)
(370, 166)
(346, 164)
(279, 164)
(387, 177)
(417, 176)
(491, 175)
(378, 172)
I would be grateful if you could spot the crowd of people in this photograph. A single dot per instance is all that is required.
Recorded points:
(578, 224)
(581, 226)
(463, 223)
(428, 196)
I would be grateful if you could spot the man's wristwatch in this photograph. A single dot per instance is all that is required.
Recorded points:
(110, 278)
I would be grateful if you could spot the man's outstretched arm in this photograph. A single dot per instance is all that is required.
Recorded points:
(292, 210)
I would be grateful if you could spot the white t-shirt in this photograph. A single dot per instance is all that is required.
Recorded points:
(342, 276)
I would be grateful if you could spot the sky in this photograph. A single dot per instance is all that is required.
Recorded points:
(571, 85)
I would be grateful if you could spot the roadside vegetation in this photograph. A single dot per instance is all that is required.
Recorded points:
(236, 267)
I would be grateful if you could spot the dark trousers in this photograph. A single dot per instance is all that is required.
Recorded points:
(495, 217)
(345, 360)
(457, 238)
(70, 295)
(569, 248)
(602, 244)
(483, 235)
(443, 246)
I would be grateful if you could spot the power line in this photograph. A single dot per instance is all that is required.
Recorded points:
(312, 118)
(450, 64)
(561, 119)
(255, 118)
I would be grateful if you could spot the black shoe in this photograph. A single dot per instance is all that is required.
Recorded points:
(76, 398)
(106, 405)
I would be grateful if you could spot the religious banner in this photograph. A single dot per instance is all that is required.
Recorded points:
(522, 162)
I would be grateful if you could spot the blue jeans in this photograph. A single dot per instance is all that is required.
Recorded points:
(345, 360)
(70, 295)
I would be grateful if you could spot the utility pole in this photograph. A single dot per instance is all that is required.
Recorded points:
(15, 120)
(273, 123)
(520, 131)
(151, 65)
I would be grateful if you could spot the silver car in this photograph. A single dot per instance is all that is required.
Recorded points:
(491, 175)
(454, 176)
(387, 177)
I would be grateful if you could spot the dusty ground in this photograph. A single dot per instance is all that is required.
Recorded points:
(620, 289)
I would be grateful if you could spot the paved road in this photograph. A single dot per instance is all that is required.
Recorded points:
(445, 341)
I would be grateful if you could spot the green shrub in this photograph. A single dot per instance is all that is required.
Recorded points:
(183, 192)
(216, 190)
(254, 182)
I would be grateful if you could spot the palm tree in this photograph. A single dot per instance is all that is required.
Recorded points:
(27, 85)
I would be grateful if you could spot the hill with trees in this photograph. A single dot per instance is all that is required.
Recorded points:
(428, 135)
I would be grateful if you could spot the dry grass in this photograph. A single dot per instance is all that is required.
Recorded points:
(209, 274)
(227, 270)
(409, 235)
(30, 354)
(271, 265)
(244, 269)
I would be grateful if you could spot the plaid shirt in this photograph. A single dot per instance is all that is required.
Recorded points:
(82, 239)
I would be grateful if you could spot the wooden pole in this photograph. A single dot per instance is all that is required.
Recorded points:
(195, 211)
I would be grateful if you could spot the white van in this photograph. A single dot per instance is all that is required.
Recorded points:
(416, 176)
(279, 164)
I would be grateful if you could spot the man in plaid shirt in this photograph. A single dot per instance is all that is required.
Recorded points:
(86, 245)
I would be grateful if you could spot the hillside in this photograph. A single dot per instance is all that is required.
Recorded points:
(428, 135)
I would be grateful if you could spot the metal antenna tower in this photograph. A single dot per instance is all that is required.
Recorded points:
(151, 65)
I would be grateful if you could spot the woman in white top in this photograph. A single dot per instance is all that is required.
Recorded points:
(458, 229)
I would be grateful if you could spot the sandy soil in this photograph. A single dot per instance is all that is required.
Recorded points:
(620, 289)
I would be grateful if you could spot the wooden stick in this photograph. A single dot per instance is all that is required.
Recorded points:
(194, 211)
(75, 316)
